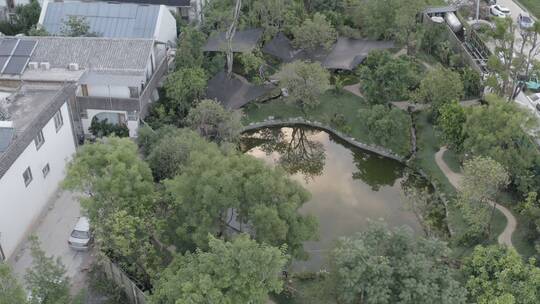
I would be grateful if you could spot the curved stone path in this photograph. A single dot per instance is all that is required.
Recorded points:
(505, 238)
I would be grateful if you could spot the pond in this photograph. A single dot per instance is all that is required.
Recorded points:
(348, 185)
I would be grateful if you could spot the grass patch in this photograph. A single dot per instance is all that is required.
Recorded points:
(452, 160)
(339, 111)
(533, 6)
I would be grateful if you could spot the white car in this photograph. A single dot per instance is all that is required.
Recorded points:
(81, 237)
(499, 11)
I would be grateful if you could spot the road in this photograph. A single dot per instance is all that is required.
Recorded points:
(53, 231)
(505, 238)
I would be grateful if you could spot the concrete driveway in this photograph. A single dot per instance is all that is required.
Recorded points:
(53, 231)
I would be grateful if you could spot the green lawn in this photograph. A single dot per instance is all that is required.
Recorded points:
(533, 6)
(343, 106)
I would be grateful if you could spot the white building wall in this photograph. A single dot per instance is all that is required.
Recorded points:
(166, 26)
(21, 205)
(108, 91)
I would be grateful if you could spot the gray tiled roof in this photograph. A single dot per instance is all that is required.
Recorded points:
(119, 20)
(177, 3)
(34, 108)
(93, 53)
(6, 135)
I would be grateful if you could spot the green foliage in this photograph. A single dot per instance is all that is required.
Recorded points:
(385, 125)
(214, 122)
(376, 18)
(102, 128)
(450, 121)
(46, 280)
(214, 184)
(76, 26)
(251, 64)
(273, 15)
(99, 283)
(439, 87)
(171, 152)
(183, 88)
(385, 79)
(10, 290)
(38, 31)
(305, 82)
(496, 274)
(314, 33)
(119, 201)
(25, 18)
(384, 266)
(240, 271)
(189, 52)
(530, 208)
(472, 82)
(498, 131)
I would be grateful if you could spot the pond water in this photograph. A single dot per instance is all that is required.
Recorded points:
(348, 185)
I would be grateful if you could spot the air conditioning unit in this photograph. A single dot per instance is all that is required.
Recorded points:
(45, 65)
(73, 67)
(32, 65)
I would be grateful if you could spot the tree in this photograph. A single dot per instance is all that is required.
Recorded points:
(376, 18)
(240, 271)
(440, 86)
(103, 128)
(387, 127)
(384, 266)
(499, 131)
(189, 52)
(47, 279)
(120, 201)
(251, 63)
(497, 274)
(305, 82)
(214, 122)
(506, 63)
(314, 33)
(229, 36)
(451, 119)
(472, 82)
(171, 152)
(218, 192)
(384, 78)
(271, 15)
(10, 290)
(483, 179)
(530, 208)
(183, 88)
(76, 26)
(407, 24)
(23, 20)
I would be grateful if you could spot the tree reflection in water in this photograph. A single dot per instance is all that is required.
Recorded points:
(376, 173)
(298, 154)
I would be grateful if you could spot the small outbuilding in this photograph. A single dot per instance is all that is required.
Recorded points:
(348, 53)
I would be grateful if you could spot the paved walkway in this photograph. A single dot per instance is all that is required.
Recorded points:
(505, 238)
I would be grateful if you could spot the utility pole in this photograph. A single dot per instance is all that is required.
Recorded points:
(477, 9)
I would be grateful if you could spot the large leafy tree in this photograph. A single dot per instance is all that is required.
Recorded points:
(314, 33)
(189, 52)
(214, 122)
(499, 131)
(385, 79)
(305, 82)
(497, 274)
(218, 192)
(46, 279)
(440, 86)
(386, 266)
(376, 18)
(240, 271)
(388, 127)
(10, 290)
(450, 122)
(120, 201)
(23, 21)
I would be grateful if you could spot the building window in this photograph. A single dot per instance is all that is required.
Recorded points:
(58, 120)
(39, 140)
(133, 92)
(84, 114)
(27, 175)
(46, 170)
(132, 115)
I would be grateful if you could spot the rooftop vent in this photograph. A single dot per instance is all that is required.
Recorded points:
(73, 67)
(33, 65)
(45, 66)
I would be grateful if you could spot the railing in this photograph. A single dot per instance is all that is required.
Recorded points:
(115, 274)
(152, 85)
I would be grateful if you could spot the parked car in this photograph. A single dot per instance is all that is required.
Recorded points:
(535, 98)
(525, 22)
(81, 237)
(499, 11)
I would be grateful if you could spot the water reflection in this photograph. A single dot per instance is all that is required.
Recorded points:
(348, 185)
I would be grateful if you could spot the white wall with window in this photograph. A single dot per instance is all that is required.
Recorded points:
(33, 179)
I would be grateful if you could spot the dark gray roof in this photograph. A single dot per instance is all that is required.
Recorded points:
(243, 41)
(281, 47)
(348, 53)
(6, 135)
(440, 9)
(177, 3)
(119, 20)
(30, 110)
(93, 53)
(234, 92)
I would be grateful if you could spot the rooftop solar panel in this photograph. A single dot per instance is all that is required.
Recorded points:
(7, 46)
(16, 65)
(25, 48)
(3, 61)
